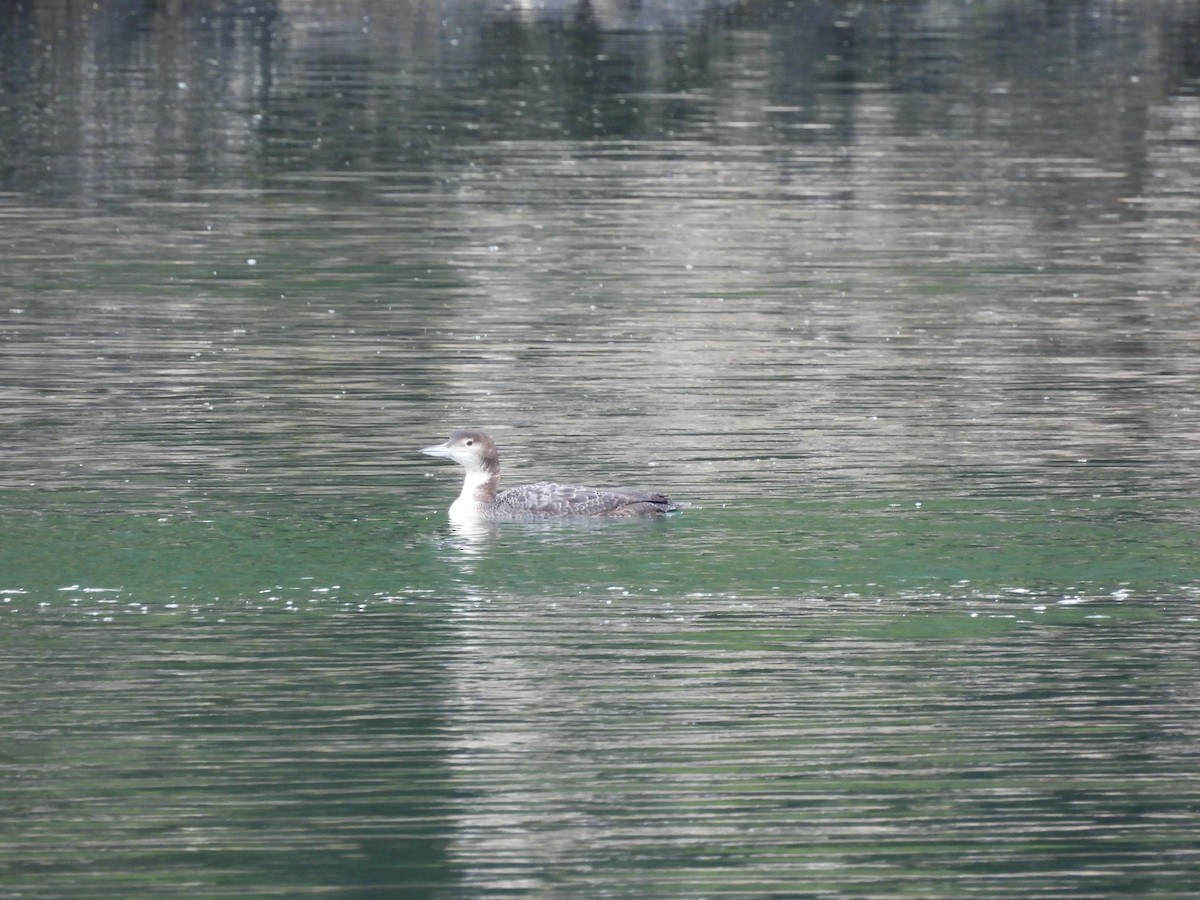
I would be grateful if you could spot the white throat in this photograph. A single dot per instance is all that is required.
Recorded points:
(468, 505)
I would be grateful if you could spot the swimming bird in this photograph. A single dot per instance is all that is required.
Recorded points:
(481, 497)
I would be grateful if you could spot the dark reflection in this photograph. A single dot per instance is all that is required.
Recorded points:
(121, 97)
(277, 726)
(99, 95)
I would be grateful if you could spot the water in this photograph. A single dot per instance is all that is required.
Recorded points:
(901, 297)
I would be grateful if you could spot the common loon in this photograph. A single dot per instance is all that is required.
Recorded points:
(480, 498)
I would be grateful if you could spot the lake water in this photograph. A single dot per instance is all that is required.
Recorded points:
(901, 297)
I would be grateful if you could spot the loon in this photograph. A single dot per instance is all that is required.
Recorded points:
(480, 498)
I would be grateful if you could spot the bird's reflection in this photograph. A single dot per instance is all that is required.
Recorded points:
(472, 535)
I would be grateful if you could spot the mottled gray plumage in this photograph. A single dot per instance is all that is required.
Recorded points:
(481, 498)
(549, 499)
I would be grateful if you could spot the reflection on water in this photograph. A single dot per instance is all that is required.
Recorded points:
(899, 296)
(617, 743)
(861, 272)
(764, 747)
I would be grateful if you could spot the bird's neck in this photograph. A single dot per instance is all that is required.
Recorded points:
(478, 490)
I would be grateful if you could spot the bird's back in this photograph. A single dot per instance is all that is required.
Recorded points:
(549, 499)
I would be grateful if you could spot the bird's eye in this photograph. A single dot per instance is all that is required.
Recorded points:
(469, 443)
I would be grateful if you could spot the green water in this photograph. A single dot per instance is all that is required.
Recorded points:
(850, 697)
(304, 552)
(350, 704)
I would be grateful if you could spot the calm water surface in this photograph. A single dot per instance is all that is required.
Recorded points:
(901, 297)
